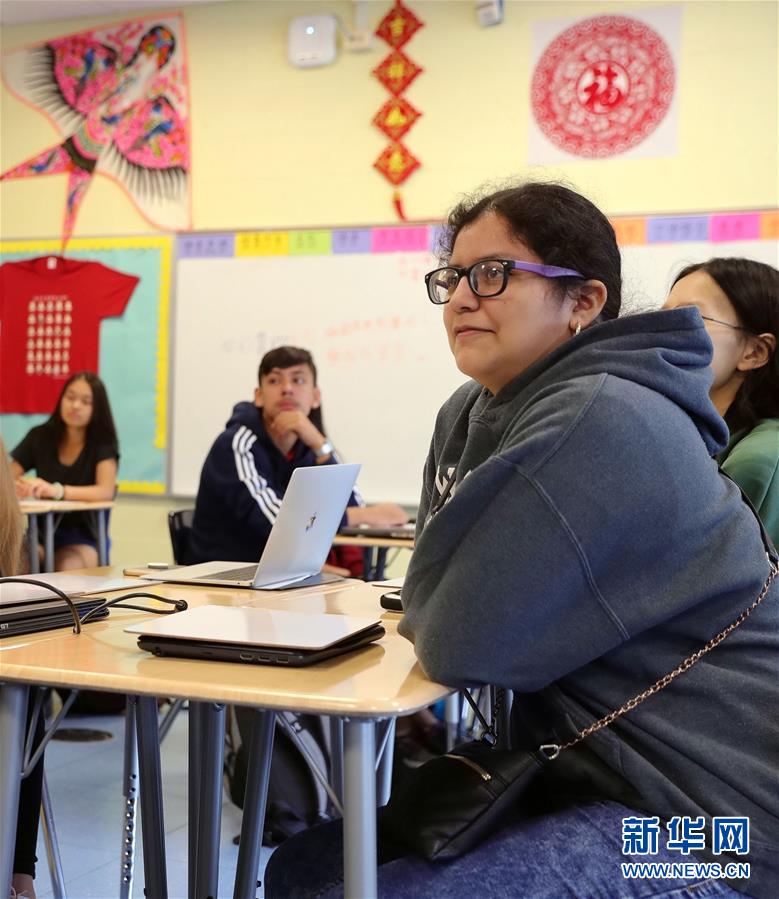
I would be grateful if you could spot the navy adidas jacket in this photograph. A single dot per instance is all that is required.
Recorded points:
(241, 487)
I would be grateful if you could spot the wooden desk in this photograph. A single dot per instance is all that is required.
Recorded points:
(379, 682)
(35, 508)
(374, 551)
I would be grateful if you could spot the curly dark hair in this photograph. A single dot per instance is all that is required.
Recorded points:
(753, 290)
(560, 226)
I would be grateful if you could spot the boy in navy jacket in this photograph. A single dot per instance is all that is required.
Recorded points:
(249, 466)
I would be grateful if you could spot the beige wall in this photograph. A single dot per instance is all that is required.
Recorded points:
(275, 146)
(139, 530)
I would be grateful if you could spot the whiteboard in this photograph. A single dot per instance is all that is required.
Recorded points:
(379, 344)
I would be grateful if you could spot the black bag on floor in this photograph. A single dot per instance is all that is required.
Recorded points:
(296, 798)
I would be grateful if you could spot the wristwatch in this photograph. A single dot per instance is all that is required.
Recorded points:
(325, 450)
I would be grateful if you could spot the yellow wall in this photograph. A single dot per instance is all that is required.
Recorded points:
(275, 146)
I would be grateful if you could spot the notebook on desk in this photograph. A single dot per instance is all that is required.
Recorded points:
(299, 541)
(255, 636)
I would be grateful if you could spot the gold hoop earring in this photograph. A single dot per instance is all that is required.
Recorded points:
(578, 329)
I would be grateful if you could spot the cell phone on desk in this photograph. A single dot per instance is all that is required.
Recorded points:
(391, 601)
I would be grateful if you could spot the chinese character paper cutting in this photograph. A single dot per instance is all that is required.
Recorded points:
(119, 97)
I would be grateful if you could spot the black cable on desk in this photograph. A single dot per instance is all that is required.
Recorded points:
(28, 580)
(180, 604)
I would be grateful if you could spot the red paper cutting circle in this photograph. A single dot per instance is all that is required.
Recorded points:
(602, 86)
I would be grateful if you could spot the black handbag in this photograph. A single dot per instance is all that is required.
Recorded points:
(452, 803)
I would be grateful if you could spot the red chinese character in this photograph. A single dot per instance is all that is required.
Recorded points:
(396, 163)
(395, 118)
(396, 72)
(398, 26)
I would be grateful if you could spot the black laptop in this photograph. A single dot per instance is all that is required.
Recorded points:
(45, 615)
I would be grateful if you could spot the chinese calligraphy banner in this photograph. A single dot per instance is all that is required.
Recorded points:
(396, 72)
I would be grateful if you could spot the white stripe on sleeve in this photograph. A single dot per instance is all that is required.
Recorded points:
(267, 500)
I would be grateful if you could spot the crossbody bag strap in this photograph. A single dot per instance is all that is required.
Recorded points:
(552, 750)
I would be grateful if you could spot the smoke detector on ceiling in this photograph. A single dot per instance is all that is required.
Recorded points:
(312, 40)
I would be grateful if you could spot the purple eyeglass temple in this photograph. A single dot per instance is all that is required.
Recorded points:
(548, 271)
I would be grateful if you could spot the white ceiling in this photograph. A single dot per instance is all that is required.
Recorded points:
(21, 12)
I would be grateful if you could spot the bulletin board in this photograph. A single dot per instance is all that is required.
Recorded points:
(133, 353)
(356, 299)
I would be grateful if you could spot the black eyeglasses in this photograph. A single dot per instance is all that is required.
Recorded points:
(487, 278)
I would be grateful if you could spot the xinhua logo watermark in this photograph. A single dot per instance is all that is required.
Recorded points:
(683, 835)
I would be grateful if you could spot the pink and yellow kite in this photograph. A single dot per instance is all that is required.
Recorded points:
(119, 97)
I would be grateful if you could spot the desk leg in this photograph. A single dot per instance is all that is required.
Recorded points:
(195, 716)
(130, 793)
(102, 537)
(360, 809)
(367, 563)
(154, 871)
(452, 714)
(13, 709)
(337, 756)
(32, 544)
(51, 843)
(48, 541)
(210, 811)
(381, 562)
(384, 762)
(257, 778)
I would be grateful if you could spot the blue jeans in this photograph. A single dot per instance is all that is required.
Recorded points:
(571, 854)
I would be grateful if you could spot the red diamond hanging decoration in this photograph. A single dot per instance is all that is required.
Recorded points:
(396, 163)
(396, 117)
(398, 26)
(396, 72)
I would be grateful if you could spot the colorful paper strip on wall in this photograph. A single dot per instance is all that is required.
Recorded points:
(630, 231)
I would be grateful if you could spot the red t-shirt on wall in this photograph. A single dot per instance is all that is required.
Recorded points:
(50, 314)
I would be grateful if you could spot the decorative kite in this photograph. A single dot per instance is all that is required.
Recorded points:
(119, 97)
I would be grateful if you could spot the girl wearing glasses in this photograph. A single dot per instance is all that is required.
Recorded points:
(575, 544)
(739, 302)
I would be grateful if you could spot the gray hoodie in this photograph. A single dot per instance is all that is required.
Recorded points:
(589, 545)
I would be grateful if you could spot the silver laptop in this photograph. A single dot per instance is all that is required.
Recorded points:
(299, 541)
(259, 636)
(72, 584)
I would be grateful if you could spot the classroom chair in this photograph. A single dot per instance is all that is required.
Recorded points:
(180, 525)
